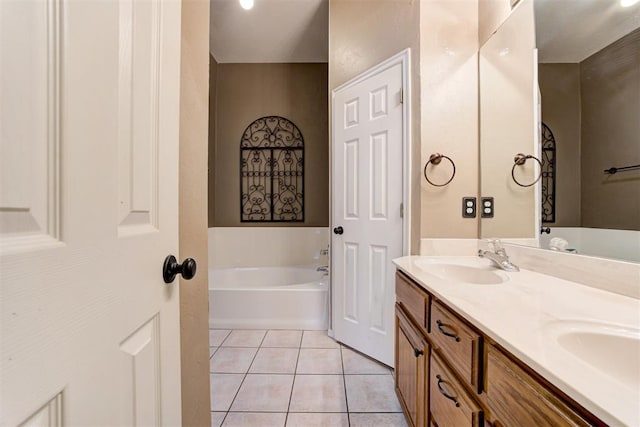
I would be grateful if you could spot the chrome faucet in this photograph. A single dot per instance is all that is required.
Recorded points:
(499, 256)
(323, 268)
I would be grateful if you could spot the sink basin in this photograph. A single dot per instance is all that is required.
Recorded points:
(611, 349)
(477, 272)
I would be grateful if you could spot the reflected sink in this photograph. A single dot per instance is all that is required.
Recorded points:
(611, 349)
(478, 272)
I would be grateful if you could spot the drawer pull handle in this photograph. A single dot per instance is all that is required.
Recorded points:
(443, 332)
(444, 393)
(418, 352)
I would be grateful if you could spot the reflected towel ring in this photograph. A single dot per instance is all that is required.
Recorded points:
(436, 159)
(520, 160)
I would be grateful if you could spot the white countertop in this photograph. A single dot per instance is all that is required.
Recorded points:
(525, 314)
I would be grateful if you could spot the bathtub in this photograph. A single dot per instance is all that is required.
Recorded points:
(268, 298)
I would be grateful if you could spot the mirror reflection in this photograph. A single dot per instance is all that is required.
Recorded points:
(589, 87)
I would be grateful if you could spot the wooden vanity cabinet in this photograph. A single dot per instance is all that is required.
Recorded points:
(516, 398)
(449, 374)
(461, 344)
(450, 403)
(412, 366)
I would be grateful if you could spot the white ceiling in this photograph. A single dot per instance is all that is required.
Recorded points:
(273, 31)
(572, 30)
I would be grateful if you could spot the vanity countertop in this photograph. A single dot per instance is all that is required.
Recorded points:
(529, 312)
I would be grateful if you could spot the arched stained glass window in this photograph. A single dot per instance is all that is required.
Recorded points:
(272, 171)
(548, 175)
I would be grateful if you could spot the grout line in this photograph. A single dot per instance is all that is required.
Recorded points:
(344, 383)
(293, 384)
(245, 376)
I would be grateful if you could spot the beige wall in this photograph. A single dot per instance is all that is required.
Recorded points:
(491, 14)
(213, 93)
(364, 33)
(246, 92)
(560, 89)
(611, 135)
(194, 310)
(449, 114)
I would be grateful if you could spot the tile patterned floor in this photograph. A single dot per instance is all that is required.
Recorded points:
(297, 378)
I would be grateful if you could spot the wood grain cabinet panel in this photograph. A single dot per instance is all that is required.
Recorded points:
(461, 344)
(413, 299)
(517, 399)
(449, 402)
(412, 356)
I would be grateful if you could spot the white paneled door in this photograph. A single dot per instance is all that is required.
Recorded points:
(367, 219)
(89, 94)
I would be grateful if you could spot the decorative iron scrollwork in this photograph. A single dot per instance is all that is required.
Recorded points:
(272, 171)
(548, 175)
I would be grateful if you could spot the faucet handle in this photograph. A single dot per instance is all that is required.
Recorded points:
(495, 245)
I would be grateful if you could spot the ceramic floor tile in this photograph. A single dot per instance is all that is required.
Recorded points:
(318, 339)
(356, 363)
(232, 360)
(318, 420)
(319, 361)
(318, 393)
(371, 393)
(255, 419)
(217, 418)
(223, 389)
(264, 393)
(217, 336)
(244, 338)
(289, 339)
(378, 420)
(275, 361)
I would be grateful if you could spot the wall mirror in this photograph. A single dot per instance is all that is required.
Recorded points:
(587, 82)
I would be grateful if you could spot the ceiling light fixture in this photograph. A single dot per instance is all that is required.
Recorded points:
(627, 3)
(246, 4)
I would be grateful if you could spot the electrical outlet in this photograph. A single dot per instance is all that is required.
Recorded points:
(487, 207)
(469, 207)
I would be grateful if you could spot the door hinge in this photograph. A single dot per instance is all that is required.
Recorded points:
(401, 95)
(401, 210)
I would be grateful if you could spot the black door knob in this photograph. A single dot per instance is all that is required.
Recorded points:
(171, 268)
(338, 230)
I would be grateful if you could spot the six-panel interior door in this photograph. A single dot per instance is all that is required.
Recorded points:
(367, 197)
(89, 94)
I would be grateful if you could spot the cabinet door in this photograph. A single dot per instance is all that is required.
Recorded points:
(412, 355)
(516, 399)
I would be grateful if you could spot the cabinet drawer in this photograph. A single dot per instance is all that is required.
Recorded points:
(461, 344)
(515, 398)
(413, 299)
(449, 403)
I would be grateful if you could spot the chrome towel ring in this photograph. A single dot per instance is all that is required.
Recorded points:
(435, 159)
(520, 160)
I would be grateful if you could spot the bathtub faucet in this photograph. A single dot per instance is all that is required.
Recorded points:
(323, 268)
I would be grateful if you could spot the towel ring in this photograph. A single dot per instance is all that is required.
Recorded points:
(436, 158)
(520, 160)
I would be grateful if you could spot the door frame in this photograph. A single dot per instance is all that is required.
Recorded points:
(404, 58)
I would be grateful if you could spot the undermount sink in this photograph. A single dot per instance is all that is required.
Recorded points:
(475, 271)
(611, 349)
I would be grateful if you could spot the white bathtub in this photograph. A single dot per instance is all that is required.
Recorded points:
(268, 298)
